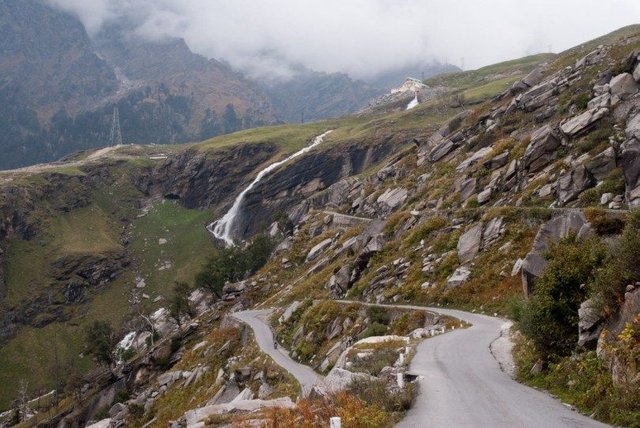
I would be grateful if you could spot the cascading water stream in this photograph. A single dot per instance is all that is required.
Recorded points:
(414, 102)
(222, 228)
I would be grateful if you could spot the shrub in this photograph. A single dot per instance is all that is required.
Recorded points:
(375, 329)
(603, 223)
(550, 316)
(374, 363)
(234, 263)
(101, 341)
(455, 124)
(375, 392)
(622, 268)
(581, 100)
(378, 314)
(179, 304)
(540, 213)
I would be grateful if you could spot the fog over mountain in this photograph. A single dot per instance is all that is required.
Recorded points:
(362, 37)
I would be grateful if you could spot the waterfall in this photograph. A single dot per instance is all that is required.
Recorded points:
(414, 102)
(222, 228)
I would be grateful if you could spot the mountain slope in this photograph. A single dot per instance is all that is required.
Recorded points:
(58, 89)
(436, 205)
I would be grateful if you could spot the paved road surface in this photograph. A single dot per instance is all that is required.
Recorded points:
(461, 385)
(258, 322)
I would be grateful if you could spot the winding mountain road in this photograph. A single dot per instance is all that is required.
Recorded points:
(461, 384)
(258, 321)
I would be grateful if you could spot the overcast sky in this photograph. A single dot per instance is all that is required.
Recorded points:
(363, 37)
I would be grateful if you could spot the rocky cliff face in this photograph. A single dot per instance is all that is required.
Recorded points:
(293, 184)
(206, 180)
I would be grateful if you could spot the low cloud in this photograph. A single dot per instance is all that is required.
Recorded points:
(362, 37)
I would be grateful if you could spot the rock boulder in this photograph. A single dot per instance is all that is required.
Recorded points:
(469, 243)
(630, 162)
(583, 122)
(542, 149)
(573, 183)
(623, 86)
(602, 164)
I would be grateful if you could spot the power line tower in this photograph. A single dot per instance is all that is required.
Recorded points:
(116, 134)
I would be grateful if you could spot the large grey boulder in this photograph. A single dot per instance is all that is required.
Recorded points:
(441, 147)
(542, 149)
(623, 86)
(393, 198)
(636, 73)
(633, 127)
(552, 231)
(589, 323)
(630, 162)
(602, 164)
(288, 312)
(573, 183)
(318, 249)
(535, 76)
(497, 161)
(226, 394)
(339, 379)
(469, 243)
(458, 277)
(193, 417)
(340, 282)
(538, 95)
(466, 187)
(583, 122)
(474, 158)
(493, 231)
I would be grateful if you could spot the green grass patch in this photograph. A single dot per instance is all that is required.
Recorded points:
(179, 259)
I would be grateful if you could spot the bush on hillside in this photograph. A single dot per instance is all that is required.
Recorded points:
(550, 316)
(622, 268)
(234, 263)
(101, 342)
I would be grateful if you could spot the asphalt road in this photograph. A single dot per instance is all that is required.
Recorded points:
(258, 321)
(461, 385)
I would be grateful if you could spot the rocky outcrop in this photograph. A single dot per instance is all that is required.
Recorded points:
(542, 149)
(589, 323)
(281, 191)
(469, 243)
(392, 198)
(193, 417)
(630, 163)
(458, 277)
(623, 86)
(602, 164)
(584, 122)
(573, 183)
(552, 231)
(203, 179)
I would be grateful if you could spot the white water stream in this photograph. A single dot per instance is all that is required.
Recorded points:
(223, 227)
(414, 102)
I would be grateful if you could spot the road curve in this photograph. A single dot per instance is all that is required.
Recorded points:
(461, 384)
(258, 321)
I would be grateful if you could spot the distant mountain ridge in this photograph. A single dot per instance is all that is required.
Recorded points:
(59, 88)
